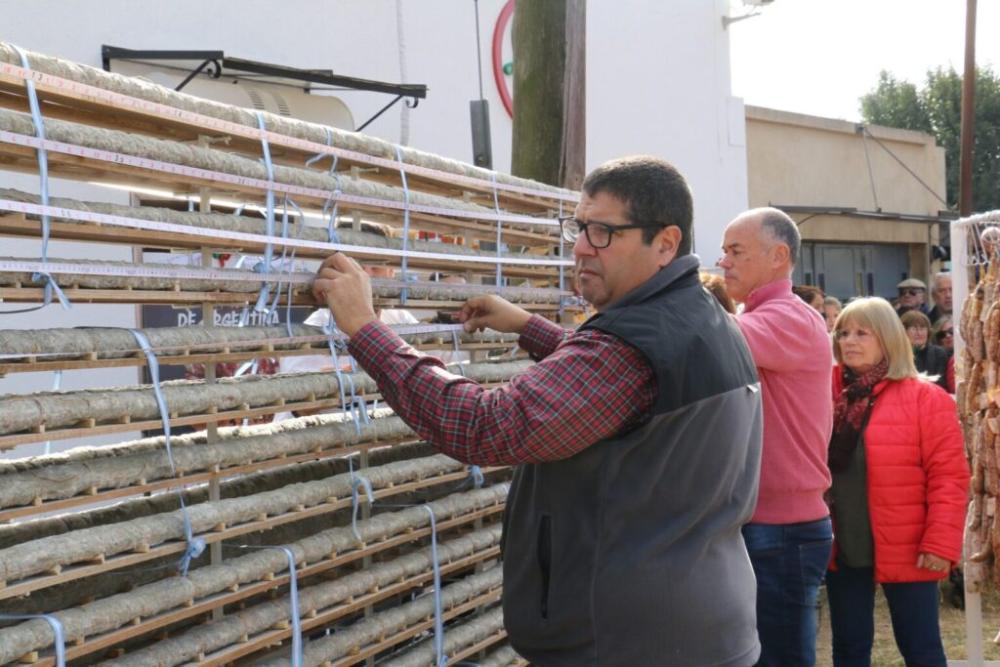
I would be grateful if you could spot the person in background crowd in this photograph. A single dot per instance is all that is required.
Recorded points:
(929, 358)
(943, 333)
(812, 295)
(789, 536)
(899, 489)
(912, 296)
(717, 287)
(941, 293)
(831, 308)
(636, 437)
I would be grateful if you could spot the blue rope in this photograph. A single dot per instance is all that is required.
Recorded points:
(195, 546)
(356, 481)
(454, 340)
(293, 595)
(406, 224)
(496, 207)
(265, 288)
(442, 659)
(57, 631)
(43, 175)
(562, 269)
(477, 476)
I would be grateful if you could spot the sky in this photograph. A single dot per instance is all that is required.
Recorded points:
(820, 56)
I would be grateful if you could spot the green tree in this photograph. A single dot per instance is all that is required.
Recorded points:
(936, 108)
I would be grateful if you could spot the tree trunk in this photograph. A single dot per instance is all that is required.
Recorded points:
(549, 143)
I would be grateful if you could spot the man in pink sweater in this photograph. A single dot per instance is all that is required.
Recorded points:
(789, 536)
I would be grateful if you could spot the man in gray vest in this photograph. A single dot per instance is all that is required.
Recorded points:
(636, 438)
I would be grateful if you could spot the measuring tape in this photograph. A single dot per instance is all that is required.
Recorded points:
(202, 121)
(246, 237)
(187, 172)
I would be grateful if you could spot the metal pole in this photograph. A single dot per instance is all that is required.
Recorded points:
(968, 111)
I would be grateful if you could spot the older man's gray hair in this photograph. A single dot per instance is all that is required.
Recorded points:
(782, 229)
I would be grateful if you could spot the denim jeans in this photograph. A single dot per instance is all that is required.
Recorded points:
(789, 562)
(913, 608)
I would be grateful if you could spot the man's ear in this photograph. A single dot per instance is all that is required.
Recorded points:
(782, 255)
(667, 241)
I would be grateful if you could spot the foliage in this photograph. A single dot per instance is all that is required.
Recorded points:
(936, 108)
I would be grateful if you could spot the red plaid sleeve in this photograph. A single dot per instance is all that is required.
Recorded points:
(541, 337)
(590, 387)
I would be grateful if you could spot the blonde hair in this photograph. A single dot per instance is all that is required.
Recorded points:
(877, 315)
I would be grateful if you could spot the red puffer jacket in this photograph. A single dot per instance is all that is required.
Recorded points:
(918, 478)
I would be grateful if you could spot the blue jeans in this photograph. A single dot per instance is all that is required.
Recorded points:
(789, 562)
(913, 608)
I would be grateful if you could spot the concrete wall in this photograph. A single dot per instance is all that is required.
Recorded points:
(807, 161)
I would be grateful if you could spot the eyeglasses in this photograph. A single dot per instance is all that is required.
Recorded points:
(944, 333)
(910, 291)
(598, 233)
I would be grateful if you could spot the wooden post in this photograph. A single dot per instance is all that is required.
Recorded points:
(549, 142)
(968, 111)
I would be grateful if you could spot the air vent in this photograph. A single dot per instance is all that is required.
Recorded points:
(255, 99)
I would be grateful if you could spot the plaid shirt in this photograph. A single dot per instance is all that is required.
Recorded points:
(589, 385)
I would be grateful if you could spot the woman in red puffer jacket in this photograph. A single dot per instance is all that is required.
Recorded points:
(899, 491)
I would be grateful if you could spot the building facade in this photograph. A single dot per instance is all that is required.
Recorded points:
(869, 200)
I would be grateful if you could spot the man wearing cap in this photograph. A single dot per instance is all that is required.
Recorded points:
(912, 296)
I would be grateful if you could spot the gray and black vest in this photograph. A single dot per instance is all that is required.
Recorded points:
(630, 552)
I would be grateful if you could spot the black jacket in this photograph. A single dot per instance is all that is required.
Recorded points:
(933, 360)
(630, 552)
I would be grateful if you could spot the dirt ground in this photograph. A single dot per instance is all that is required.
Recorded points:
(885, 653)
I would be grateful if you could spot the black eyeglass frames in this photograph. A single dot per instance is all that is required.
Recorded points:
(598, 233)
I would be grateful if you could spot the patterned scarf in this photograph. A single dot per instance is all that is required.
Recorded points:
(849, 407)
(848, 414)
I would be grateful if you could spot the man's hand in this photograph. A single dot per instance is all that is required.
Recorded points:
(492, 312)
(344, 286)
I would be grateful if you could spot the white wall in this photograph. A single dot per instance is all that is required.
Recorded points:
(658, 82)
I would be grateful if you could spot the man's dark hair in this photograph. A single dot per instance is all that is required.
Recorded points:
(782, 229)
(652, 191)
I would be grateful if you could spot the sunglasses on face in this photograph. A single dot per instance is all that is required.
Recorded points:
(945, 333)
(910, 291)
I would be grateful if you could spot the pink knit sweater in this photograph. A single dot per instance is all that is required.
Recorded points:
(794, 358)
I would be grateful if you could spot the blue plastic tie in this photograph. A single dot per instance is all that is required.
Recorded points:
(57, 631)
(331, 226)
(195, 546)
(477, 476)
(562, 269)
(365, 483)
(458, 363)
(293, 595)
(442, 659)
(265, 288)
(43, 159)
(496, 207)
(406, 224)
